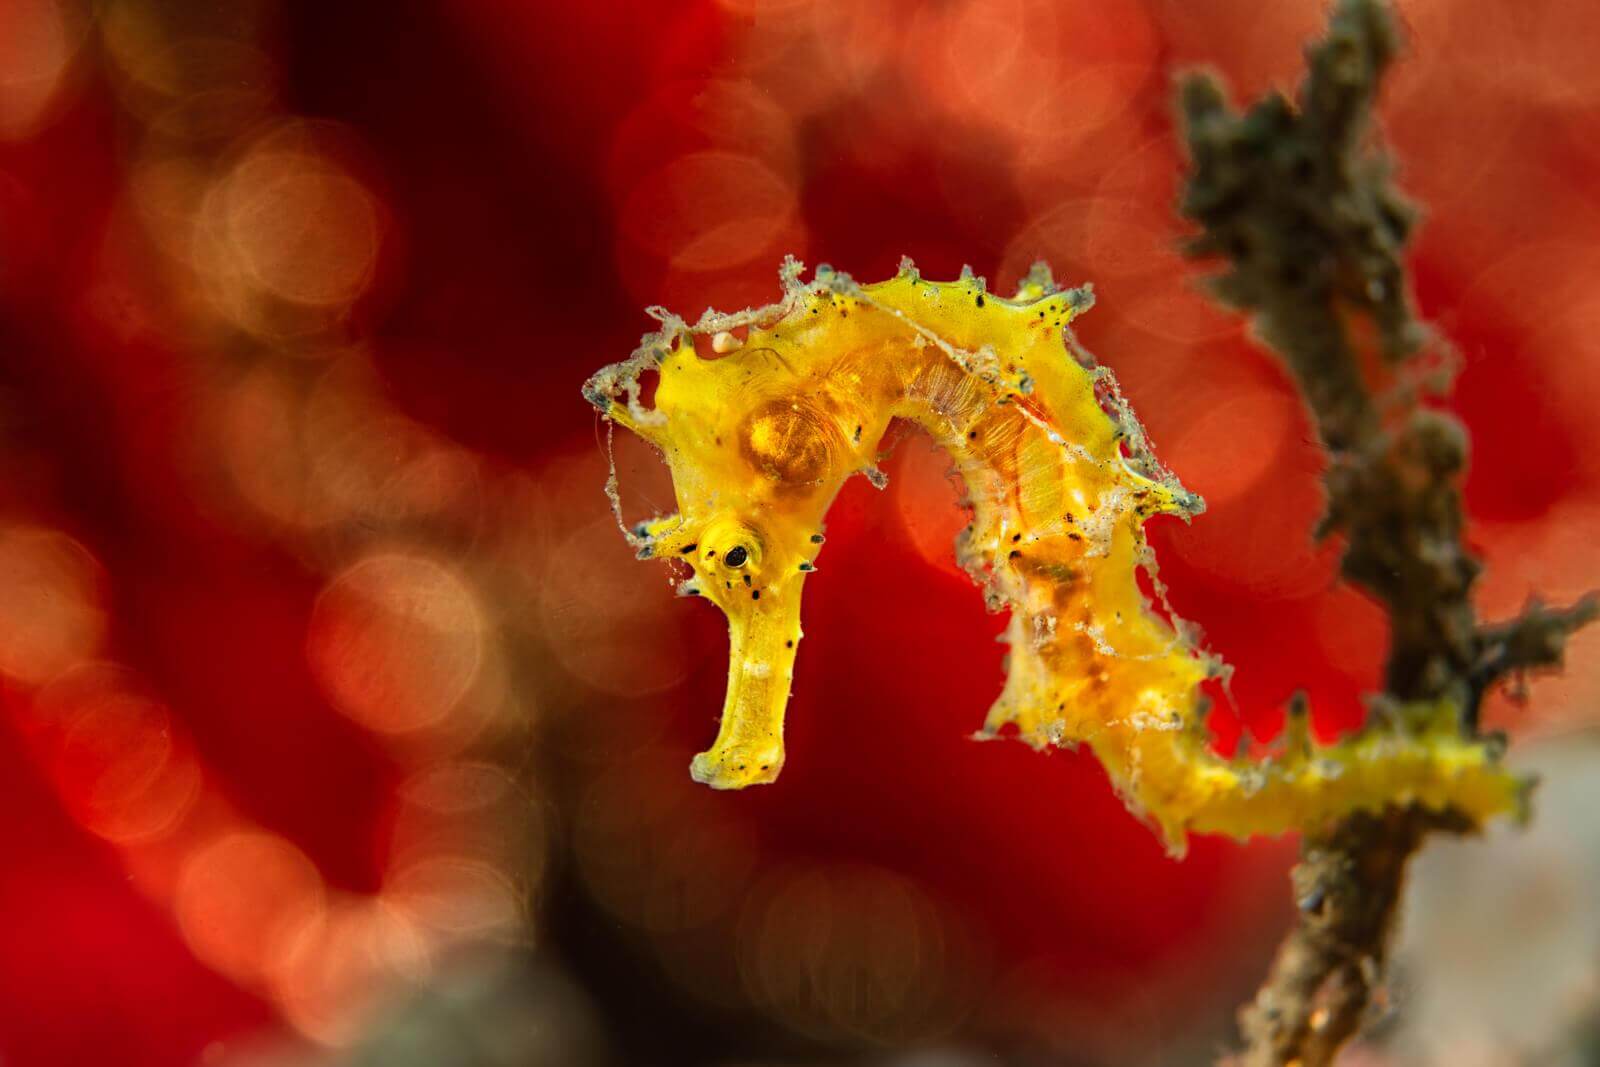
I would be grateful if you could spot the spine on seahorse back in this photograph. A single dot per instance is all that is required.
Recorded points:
(1060, 484)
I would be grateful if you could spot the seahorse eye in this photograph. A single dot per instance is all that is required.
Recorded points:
(736, 557)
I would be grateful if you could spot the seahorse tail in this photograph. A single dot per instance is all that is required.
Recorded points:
(1414, 754)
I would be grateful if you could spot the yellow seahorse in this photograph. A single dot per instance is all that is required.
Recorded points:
(763, 420)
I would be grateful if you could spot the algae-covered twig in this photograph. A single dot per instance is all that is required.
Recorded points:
(1300, 204)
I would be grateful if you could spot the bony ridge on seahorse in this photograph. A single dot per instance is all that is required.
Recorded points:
(762, 428)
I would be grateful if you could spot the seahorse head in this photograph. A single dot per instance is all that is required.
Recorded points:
(757, 449)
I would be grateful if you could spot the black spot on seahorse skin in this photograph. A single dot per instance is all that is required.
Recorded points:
(686, 549)
(755, 594)
(817, 539)
(980, 300)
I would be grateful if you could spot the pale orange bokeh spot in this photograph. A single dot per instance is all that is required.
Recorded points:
(122, 768)
(367, 460)
(468, 809)
(38, 40)
(458, 788)
(1045, 73)
(302, 229)
(165, 193)
(337, 967)
(240, 896)
(1247, 449)
(707, 211)
(396, 641)
(1115, 241)
(455, 895)
(853, 43)
(688, 115)
(288, 238)
(260, 429)
(1353, 631)
(1541, 54)
(1234, 442)
(603, 626)
(50, 614)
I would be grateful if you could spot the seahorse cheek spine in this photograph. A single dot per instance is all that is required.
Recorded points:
(760, 429)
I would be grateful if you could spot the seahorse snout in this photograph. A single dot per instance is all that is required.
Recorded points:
(762, 638)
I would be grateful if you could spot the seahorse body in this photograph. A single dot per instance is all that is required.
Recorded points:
(761, 433)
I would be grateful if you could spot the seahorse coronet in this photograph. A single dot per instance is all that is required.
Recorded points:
(761, 416)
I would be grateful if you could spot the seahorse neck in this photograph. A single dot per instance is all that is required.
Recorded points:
(987, 438)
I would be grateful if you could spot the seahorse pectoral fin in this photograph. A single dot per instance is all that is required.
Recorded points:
(762, 638)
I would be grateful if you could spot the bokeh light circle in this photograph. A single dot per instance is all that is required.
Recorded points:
(39, 40)
(396, 641)
(51, 614)
(119, 761)
(708, 211)
(241, 896)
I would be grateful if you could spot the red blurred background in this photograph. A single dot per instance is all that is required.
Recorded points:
(326, 676)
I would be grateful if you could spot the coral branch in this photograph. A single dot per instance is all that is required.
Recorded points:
(1327, 971)
(1536, 638)
(1302, 208)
